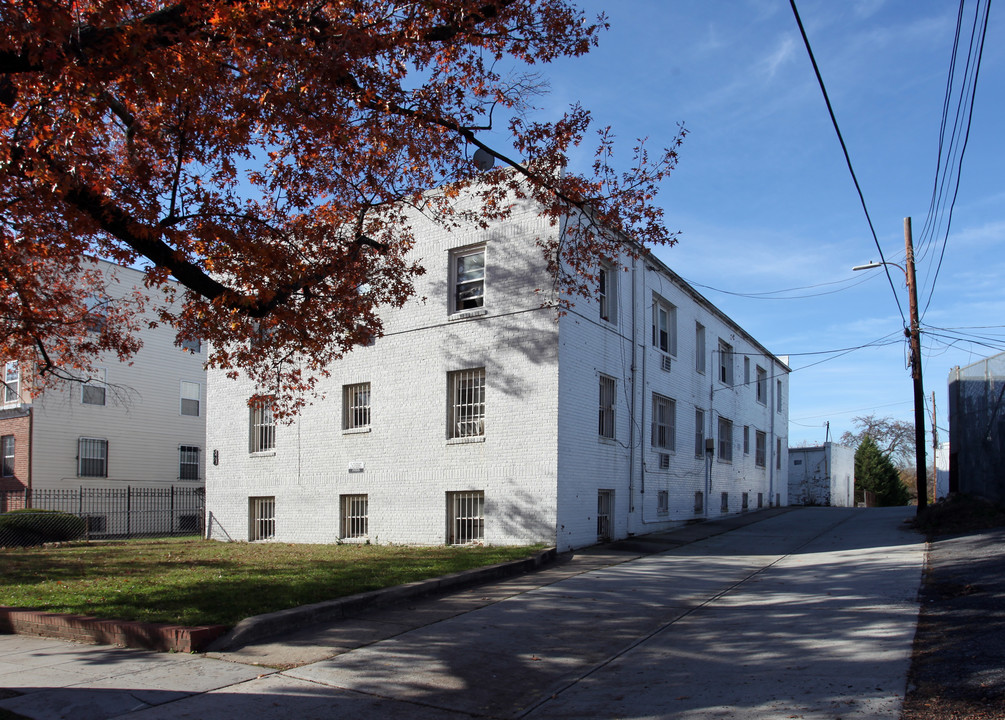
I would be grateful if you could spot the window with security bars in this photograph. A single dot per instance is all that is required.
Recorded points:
(355, 516)
(191, 394)
(188, 462)
(7, 456)
(467, 403)
(92, 391)
(607, 396)
(262, 517)
(263, 426)
(605, 511)
(664, 422)
(699, 433)
(465, 517)
(355, 406)
(12, 383)
(760, 448)
(662, 502)
(725, 439)
(468, 268)
(92, 457)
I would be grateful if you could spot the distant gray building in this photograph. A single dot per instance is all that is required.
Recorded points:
(977, 428)
(822, 475)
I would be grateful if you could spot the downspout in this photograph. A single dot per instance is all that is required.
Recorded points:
(709, 456)
(772, 390)
(631, 429)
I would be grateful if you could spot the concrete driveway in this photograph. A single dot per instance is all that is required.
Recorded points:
(806, 614)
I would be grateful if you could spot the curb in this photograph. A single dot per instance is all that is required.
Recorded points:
(260, 627)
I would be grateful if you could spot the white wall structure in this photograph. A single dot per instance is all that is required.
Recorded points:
(822, 475)
(140, 423)
(484, 415)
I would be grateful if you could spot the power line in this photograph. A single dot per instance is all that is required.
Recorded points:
(764, 295)
(847, 157)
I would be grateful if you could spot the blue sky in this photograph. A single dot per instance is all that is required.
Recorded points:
(765, 202)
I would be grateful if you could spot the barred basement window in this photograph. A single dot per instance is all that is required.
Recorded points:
(465, 517)
(92, 457)
(355, 517)
(263, 426)
(262, 514)
(662, 502)
(607, 395)
(355, 406)
(188, 462)
(467, 403)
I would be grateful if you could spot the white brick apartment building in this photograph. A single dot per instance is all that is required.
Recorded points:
(138, 424)
(482, 416)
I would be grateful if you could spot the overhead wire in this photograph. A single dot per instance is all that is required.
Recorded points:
(765, 295)
(847, 157)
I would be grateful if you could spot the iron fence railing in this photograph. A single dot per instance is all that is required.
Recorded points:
(101, 513)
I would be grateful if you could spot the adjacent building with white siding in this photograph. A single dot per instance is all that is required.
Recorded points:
(484, 415)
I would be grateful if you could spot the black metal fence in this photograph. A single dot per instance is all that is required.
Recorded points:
(107, 513)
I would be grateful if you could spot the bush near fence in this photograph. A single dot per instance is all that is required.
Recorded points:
(106, 513)
(27, 528)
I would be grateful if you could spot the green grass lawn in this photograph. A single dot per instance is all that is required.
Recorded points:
(197, 582)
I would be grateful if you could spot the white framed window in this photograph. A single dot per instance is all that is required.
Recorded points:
(96, 316)
(466, 391)
(760, 448)
(188, 462)
(607, 293)
(761, 392)
(608, 388)
(699, 433)
(664, 423)
(262, 426)
(467, 273)
(664, 326)
(725, 439)
(746, 439)
(261, 518)
(778, 396)
(354, 516)
(12, 383)
(725, 362)
(465, 517)
(191, 397)
(699, 348)
(92, 457)
(662, 502)
(356, 406)
(93, 390)
(7, 456)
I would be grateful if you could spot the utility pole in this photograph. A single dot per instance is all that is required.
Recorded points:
(914, 333)
(935, 450)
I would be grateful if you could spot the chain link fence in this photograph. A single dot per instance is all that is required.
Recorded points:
(34, 517)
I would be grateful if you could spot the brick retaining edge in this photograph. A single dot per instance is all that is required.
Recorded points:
(86, 629)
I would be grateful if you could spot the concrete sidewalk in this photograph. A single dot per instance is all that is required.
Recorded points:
(808, 613)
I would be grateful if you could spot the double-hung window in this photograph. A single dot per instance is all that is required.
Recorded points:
(760, 448)
(664, 326)
(93, 390)
(607, 399)
(468, 277)
(725, 439)
(188, 462)
(762, 385)
(262, 426)
(699, 433)
(664, 423)
(725, 362)
(11, 383)
(607, 293)
(7, 456)
(467, 403)
(92, 457)
(191, 395)
(778, 396)
(356, 406)
(699, 348)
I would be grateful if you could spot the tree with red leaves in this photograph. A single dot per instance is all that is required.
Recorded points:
(263, 156)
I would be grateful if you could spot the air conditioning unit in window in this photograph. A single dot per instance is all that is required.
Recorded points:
(666, 363)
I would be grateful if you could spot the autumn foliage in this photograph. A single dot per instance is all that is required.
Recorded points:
(263, 155)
